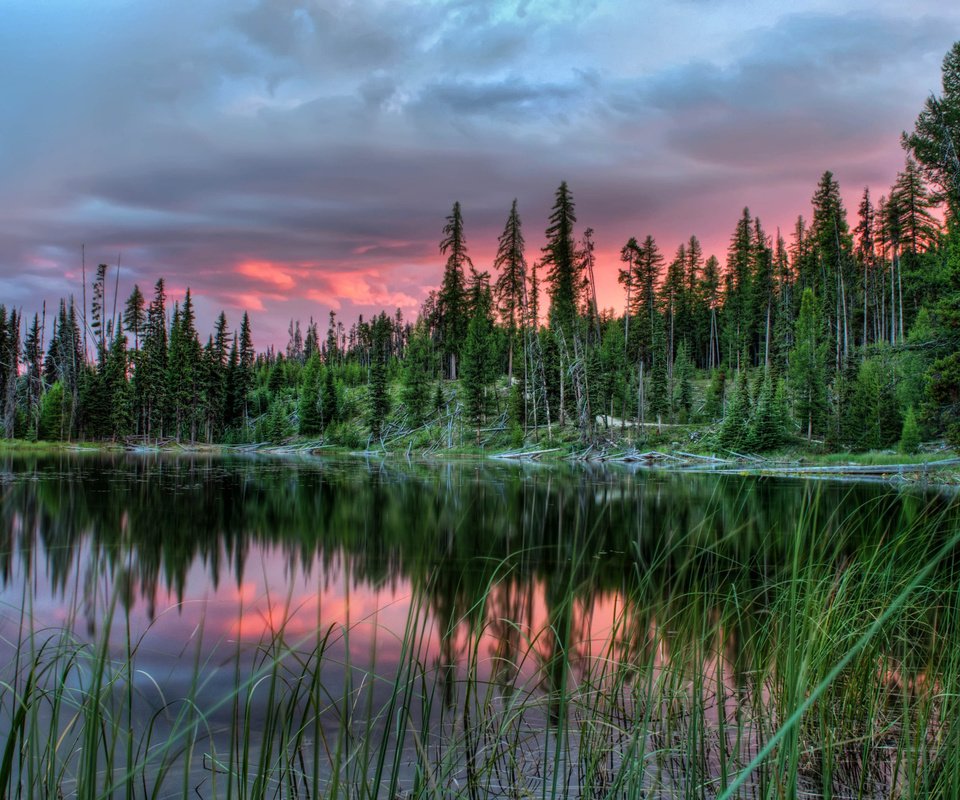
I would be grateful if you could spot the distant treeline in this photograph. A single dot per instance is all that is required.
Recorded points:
(845, 331)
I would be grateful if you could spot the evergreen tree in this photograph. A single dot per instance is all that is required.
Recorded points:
(658, 393)
(935, 140)
(116, 388)
(150, 389)
(512, 280)
(875, 415)
(682, 383)
(33, 360)
(807, 365)
(332, 349)
(135, 315)
(245, 373)
(735, 429)
(910, 433)
(379, 395)
(766, 430)
(832, 247)
(647, 266)
(479, 366)
(716, 391)
(184, 375)
(329, 400)
(451, 310)
(9, 368)
(98, 320)
(308, 410)
(417, 373)
(54, 422)
(559, 259)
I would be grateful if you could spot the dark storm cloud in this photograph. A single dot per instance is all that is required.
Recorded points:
(812, 87)
(290, 154)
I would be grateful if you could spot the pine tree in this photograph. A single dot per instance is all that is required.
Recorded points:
(150, 389)
(451, 310)
(9, 369)
(647, 266)
(910, 433)
(116, 388)
(245, 369)
(417, 372)
(329, 400)
(766, 431)
(658, 393)
(738, 300)
(308, 409)
(559, 259)
(33, 359)
(735, 429)
(807, 365)
(184, 370)
(379, 396)
(98, 320)
(683, 383)
(135, 315)
(875, 418)
(935, 140)
(832, 247)
(716, 391)
(53, 424)
(479, 368)
(511, 282)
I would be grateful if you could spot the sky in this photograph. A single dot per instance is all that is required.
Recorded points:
(289, 157)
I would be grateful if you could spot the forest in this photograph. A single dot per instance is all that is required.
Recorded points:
(841, 334)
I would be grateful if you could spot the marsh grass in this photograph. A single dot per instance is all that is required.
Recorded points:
(828, 667)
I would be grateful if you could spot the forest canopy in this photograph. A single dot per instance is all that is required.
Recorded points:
(844, 331)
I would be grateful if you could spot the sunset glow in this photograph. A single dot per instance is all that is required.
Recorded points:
(305, 160)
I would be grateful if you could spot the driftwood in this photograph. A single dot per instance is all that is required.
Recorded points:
(866, 469)
(525, 454)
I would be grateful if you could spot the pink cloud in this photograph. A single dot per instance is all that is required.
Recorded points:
(266, 272)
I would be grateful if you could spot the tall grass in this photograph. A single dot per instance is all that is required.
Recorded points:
(834, 672)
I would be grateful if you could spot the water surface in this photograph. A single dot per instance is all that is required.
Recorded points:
(468, 627)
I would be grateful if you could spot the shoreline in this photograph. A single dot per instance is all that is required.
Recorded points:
(939, 469)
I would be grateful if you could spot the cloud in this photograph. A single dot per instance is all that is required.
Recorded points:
(288, 156)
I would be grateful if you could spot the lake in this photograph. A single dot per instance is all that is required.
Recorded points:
(250, 627)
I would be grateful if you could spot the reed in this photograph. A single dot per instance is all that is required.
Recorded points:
(827, 668)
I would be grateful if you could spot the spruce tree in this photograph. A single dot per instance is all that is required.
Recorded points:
(119, 420)
(766, 430)
(451, 308)
(559, 259)
(33, 359)
(735, 429)
(308, 408)
(716, 391)
(807, 380)
(329, 399)
(53, 423)
(683, 383)
(876, 418)
(417, 374)
(511, 282)
(910, 433)
(135, 315)
(658, 392)
(245, 373)
(379, 396)
(479, 366)
(150, 389)
(935, 139)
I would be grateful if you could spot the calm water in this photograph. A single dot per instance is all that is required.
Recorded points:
(530, 587)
